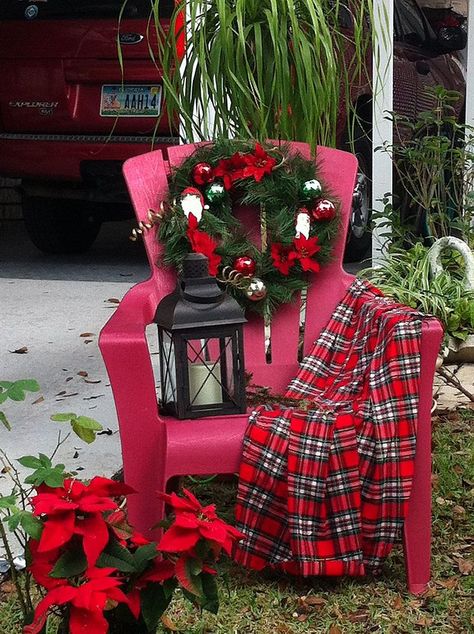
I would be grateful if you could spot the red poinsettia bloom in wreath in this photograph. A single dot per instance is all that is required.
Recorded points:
(281, 257)
(305, 248)
(230, 169)
(202, 242)
(258, 164)
(87, 602)
(77, 509)
(194, 522)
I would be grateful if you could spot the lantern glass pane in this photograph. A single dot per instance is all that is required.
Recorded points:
(167, 368)
(210, 371)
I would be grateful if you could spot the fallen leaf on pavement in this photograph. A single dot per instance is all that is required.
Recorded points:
(113, 300)
(83, 373)
(38, 400)
(87, 334)
(88, 340)
(22, 350)
(91, 381)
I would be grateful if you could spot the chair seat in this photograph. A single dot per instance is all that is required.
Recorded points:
(223, 448)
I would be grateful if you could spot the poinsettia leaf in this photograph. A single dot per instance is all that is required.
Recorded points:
(31, 462)
(31, 525)
(210, 601)
(4, 419)
(154, 602)
(184, 573)
(87, 435)
(70, 564)
(169, 586)
(202, 549)
(8, 501)
(116, 556)
(121, 527)
(143, 555)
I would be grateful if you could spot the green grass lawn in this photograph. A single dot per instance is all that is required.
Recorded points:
(265, 603)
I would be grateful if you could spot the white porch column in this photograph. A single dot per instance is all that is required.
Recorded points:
(470, 65)
(382, 102)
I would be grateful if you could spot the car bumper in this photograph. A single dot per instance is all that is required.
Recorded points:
(59, 157)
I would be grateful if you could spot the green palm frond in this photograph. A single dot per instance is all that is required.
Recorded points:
(268, 68)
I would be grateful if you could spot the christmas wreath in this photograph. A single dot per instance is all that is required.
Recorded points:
(298, 219)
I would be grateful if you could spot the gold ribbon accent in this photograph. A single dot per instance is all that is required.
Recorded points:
(228, 275)
(143, 227)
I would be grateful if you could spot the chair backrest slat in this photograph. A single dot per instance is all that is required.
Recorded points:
(146, 177)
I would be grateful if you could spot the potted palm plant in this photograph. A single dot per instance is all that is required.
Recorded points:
(263, 68)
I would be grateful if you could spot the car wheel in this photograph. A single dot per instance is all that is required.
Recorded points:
(359, 236)
(60, 226)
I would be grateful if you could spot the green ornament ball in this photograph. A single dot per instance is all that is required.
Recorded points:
(311, 189)
(215, 193)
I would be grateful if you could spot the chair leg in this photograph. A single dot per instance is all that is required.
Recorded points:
(417, 538)
(417, 529)
(144, 508)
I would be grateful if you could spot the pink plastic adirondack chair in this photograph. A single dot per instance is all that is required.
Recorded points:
(156, 448)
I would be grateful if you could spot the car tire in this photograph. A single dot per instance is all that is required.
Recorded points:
(359, 238)
(58, 226)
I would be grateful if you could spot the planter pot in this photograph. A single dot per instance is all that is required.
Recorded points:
(461, 353)
(457, 352)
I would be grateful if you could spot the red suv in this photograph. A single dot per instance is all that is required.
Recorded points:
(70, 113)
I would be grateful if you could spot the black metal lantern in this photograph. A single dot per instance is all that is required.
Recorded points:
(200, 334)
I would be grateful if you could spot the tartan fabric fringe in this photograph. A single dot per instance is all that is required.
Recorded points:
(325, 491)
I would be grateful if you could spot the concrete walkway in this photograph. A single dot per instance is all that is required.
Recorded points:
(55, 307)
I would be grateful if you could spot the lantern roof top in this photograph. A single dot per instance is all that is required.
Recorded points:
(198, 301)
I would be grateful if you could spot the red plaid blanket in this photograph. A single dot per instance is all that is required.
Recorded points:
(324, 491)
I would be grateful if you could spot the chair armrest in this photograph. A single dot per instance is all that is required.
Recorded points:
(124, 349)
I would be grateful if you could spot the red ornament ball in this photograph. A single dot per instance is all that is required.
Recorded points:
(324, 210)
(203, 174)
(245, 265)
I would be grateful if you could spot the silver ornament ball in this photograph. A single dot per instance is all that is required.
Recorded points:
(256, 290)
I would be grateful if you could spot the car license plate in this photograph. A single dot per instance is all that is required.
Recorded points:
(130, 101)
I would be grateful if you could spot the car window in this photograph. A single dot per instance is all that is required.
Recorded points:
(77, 9)
(410, 25)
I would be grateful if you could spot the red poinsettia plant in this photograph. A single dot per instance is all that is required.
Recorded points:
(100, 575)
